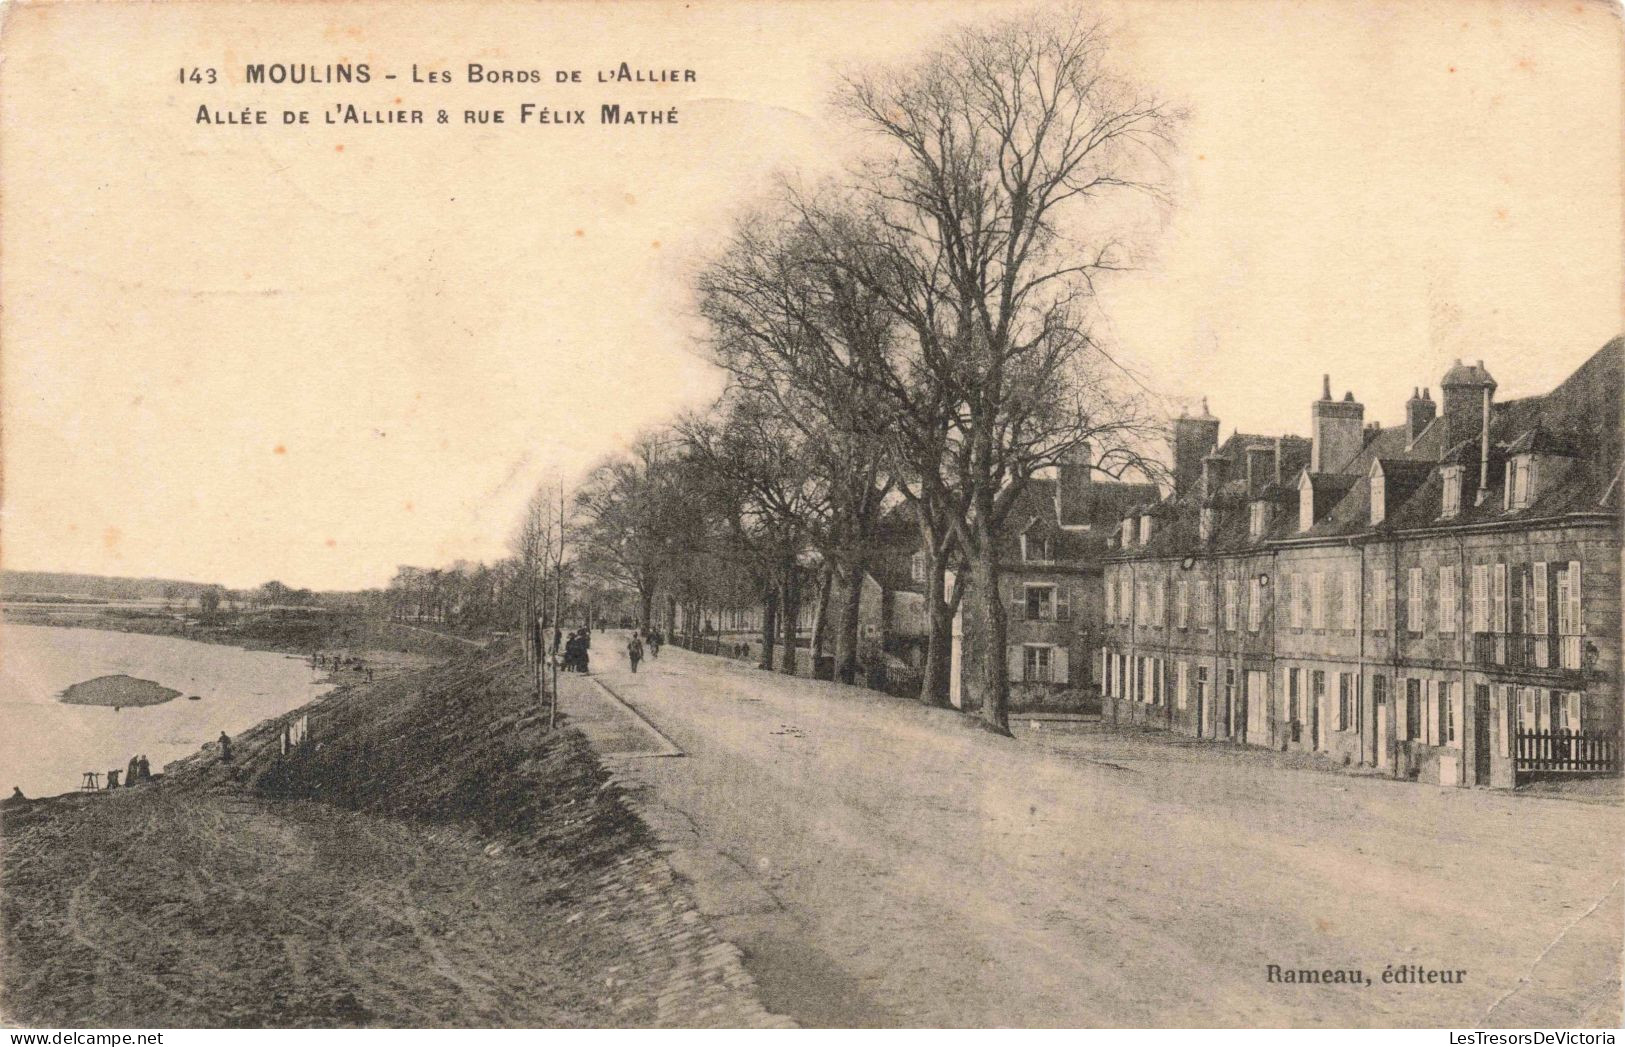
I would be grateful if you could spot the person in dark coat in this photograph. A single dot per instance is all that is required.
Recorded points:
(132, 771)
(225, 747)
(112, 778)
(142, 767)
(586, 648)
(634, 651)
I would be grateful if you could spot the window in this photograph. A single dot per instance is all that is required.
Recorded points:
(1156, 681)
(1379, 494)
(1204, 607)
(1125, 595)
(1520, 481)
(1498, 599)
(1447, 715)
(1229, 701)
(1379, 696)
(1230, 588)
(917, 567)
(1159, 602)
(1450, 476)
(1201, 687)
(1413, 602)
(1317, 601)
(1182, 604)
(1411, 720)
(1144, 602)
(1041, 603)
(1379, 600)
(1569, 711)
(1345, 701)
(1350, 605)
(1140, 693)
(1035, 548)
(1528, 709)
(1447, 599)
(1255, 604)
(1294, 696)
(1481, 597)
(1038, 664)
(1145, 529)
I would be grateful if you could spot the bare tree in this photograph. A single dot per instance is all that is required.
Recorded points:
(985, 145)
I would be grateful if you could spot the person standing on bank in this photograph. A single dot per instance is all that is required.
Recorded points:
(634, 651)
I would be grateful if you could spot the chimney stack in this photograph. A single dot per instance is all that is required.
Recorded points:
(1467, 391)
(1335, 428)
(1193, 438)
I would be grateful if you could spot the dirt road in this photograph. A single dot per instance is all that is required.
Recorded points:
(882, 863)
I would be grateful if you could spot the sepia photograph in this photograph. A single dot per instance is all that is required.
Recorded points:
(811, 514)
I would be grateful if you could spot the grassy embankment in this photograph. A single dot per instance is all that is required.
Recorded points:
(434, 856)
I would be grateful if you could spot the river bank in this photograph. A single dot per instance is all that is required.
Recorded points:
(432, 856)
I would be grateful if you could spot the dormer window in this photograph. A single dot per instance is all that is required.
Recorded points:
(1520, 481)
(1379, 494)
(1450, 475)
(1035, 548)
(1306, 503)
(1205, 524)
(1130, 529)
(1145, 529)
(1259, 520)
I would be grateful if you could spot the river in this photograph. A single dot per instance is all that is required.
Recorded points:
(46, 745)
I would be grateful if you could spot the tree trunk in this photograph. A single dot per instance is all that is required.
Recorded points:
(790, 616)
(934, 677)
(770, 604)
(646, 600)
(992, 678)
(820, 629)
(846, 638)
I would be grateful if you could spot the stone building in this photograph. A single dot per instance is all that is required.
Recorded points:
(1438, 599)
(1050, 559)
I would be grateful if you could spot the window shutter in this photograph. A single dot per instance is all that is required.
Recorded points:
(1015, 662)
(1063, 604)
(1182, 684)
(1542, 599)
(1060, 667)
(1500, 599)
(1577, 624)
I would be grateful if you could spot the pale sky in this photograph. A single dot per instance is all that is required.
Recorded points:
(241, 353)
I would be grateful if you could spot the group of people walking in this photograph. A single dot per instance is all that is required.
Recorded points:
(577, 650)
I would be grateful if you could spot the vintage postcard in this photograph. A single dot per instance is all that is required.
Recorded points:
(909, 514)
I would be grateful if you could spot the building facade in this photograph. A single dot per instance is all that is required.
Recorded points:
(1438, 600)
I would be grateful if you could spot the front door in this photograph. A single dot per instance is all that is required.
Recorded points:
(1481, 734)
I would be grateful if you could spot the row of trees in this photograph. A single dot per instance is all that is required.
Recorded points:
(920, 329)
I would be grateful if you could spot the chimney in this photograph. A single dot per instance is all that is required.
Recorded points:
(1072, 479)
(1260, 469)
(1419, 411)
(1466, 391)
(1336, 430)
(1193, 439)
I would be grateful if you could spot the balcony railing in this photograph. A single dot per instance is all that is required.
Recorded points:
(1549, 652)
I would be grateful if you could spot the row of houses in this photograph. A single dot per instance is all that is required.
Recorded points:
(1437, 599)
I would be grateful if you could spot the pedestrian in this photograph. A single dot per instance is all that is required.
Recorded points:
(655, 641)
(131, 771)
(143, 768)
(225, 747)
(634, 651)
(112, 778)
(586, 651)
